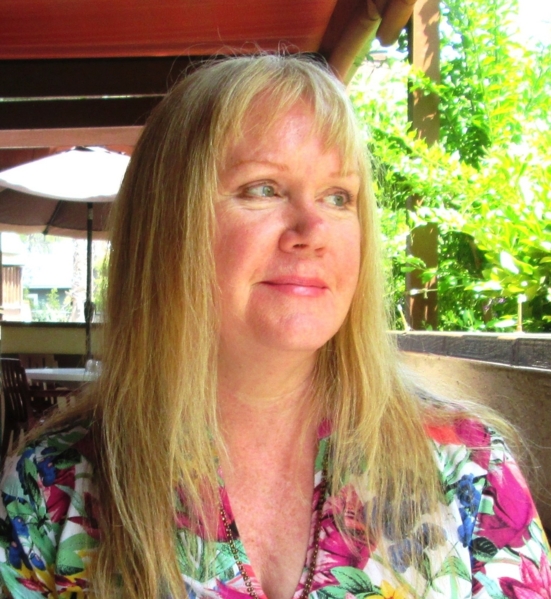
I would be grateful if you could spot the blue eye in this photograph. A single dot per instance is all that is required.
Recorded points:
(339, 199)
(263, 190)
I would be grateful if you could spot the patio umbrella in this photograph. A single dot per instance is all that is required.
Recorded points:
(65, 194)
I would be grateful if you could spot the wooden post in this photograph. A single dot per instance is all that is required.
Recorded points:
(424, 53)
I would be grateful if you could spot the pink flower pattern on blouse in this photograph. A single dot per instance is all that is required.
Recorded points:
(486, 543)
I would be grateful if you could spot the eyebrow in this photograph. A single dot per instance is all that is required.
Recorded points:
(276, 165)
(284, 167)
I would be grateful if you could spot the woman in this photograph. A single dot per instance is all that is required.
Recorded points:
(250, 435)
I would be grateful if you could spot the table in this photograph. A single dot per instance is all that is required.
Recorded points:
(71, 378)
(66, 376)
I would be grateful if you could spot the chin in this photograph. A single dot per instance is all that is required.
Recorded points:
(306, 338)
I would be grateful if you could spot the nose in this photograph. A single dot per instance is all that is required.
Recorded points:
(305, 230)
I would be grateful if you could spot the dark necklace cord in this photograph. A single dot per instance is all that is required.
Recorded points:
(315, 550)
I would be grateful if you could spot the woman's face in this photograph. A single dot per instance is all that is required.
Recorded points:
(288, 238)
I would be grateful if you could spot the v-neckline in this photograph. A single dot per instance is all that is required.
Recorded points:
(323, 440)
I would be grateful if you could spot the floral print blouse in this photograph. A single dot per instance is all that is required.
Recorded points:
(488, 542)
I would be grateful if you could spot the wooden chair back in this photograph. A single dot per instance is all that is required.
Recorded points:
(18, 414)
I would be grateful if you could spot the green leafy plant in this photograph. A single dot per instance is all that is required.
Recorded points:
(51, 309)
(486, 184)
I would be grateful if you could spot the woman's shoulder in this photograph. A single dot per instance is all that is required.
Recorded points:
(55, 458)
(66, 445)
(469, 452)
(48, 511)
(459, 431)
(468, 438)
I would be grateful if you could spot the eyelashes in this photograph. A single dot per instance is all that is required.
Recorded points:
(337, 198)
(260, 190)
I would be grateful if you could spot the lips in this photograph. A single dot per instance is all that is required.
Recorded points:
(302, 286)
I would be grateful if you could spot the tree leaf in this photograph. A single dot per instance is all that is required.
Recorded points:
(508, 262)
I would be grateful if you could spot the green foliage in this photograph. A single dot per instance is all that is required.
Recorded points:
(50, 309)
(486, 184)
(53, 300)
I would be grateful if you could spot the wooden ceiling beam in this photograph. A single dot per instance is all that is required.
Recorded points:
(92, 77)
(355, 40)
(395, 17)
(90, 93)
(338, 22)
(82, 136)
(62, 114)
(353, 27)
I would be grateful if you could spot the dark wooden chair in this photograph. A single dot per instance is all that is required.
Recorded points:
(24, 404)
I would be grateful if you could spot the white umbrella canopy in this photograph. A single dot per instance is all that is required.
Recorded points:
(79, 175)
(50, 195)
(65, 194)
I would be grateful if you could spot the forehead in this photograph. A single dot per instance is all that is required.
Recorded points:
(264, 134)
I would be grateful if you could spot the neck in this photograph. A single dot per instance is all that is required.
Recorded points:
(262, 402)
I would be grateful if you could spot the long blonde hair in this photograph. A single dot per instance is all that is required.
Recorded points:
(155, 404)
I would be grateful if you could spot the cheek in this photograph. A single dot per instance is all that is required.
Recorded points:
(244, 242)
(349, 263)
(228, 244)
(235, 250)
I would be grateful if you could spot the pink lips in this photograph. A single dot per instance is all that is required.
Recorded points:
(303, 286)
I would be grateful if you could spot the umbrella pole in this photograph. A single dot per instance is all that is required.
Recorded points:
(88, 307)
